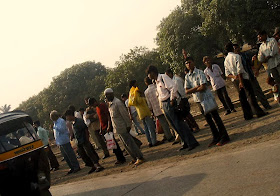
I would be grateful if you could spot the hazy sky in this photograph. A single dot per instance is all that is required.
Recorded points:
(39, 39)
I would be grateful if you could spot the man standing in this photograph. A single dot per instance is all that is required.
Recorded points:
(269, 53)
(153, 103)
(63, 141)
(104, 119)
(137, 99)
(85, 149)
(195, 84)
(214, 74)
(94, 126)
(133, 115)
(167, 94)
(246, 61)
(122, 125)
(44, 136)
(182, 96)
(235, 71)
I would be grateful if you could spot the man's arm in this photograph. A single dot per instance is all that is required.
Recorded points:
(171, 86)
(124, 114)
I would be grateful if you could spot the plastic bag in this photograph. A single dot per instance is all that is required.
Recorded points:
(110, 141)
(208, 103)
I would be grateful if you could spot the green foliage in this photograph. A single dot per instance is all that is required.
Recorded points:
(69, 88)
(132, 66)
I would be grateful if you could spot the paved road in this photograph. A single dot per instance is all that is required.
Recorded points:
(254, 170)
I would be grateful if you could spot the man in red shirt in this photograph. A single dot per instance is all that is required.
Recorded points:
(104, 119)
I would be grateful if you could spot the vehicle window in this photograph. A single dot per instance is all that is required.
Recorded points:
(18, 137)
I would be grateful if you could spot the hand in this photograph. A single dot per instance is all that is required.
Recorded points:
(254, 58)
(241, 85)
(128, 129)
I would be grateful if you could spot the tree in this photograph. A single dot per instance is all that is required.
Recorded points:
(182, 30)
(69, 88)
(5, 108)
(132, 66)
(239, 19)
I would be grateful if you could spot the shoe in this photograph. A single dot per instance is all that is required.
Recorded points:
(139, 162)
(213, 143)
(70, 171)
(105, 156)
(76, 170)
(119, 162)
(183, 147)
(92, 170)
(159, 143)
(193, 146)
(55, 169)
(176, 142)
(221, 143)
(227, 112)
(99, 169)
(233, 110)
(249, 118)
(151, 145)
(131, 162)
(261, 115)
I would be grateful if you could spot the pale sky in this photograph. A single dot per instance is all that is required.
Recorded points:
(39, 39)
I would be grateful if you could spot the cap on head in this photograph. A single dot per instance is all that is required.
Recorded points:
(108, 90)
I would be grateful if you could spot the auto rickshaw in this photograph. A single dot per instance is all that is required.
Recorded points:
(24, 166)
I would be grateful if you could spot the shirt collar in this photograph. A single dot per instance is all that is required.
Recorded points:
(192, 72)
(150, 85)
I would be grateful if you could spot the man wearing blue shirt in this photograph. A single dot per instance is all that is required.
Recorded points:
(62, 139)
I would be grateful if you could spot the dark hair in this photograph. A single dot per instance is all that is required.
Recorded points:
(91, 101)
(148, 81)
(187, 70)
(37, 122)
(151, 69)
(69, 113)
(82, 109)
(132, 83)
(124, 95)
(189, 58)
(71, 107)
(263, 32)
(236, 45)
(86, 98)
(169, 71)
(229, 47)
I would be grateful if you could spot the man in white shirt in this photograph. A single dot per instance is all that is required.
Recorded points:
(235, 71)
(269, 53)
(167, 95)
(182, 94)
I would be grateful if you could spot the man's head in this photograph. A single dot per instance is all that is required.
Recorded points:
(262, 36)
(148, 81)
(109, 94)
(92, 102)
(152, 72)
(207, 61)
(169, 72)
(71, 107)
(190, 63)
(132, 83)
(124, 97)
(86, 100)
(54, 115)
(37, 123)
(229, 47)
(69, 115)
(236, 49)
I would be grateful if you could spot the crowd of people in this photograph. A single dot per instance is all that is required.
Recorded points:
(165, 103)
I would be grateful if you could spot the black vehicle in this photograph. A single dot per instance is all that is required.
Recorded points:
(24, 166)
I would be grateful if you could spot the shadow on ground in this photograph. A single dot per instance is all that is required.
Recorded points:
(180, 186)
